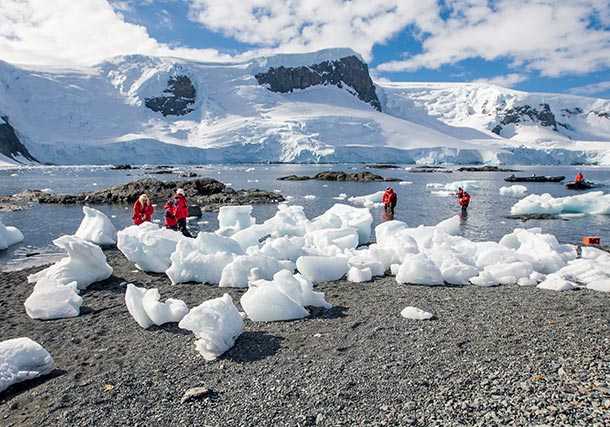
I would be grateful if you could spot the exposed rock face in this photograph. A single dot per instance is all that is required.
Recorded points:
(207, 193)
(347, 72)
(10, 145)
(340, 176)
(544, 117)
(180, 95)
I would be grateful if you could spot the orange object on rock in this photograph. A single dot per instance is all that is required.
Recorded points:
(590, 240)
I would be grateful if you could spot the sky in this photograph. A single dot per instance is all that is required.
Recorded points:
(560, 46)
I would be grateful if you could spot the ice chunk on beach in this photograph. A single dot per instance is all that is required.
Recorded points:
(349, 217)
(359, 275)
(322, 269)
(51, 299)
(202, 259)
(332, 241)
(232, 219)
(418, 269)
(148, 246)
(216, 323)
(283, 298)
(281, 248)
(600, 285)
(145, 307)
(96, 228)
(85, 264)
(9, 236)
(22, 359)
(416, 313)
(235, 274)
(513, 190)
(555, 282)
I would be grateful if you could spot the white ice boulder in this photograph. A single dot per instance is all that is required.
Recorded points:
(22, 359)
(600, 285)
(85, 264)
(96, 228)
(51, 299)
(9, 236)
(359, 219)
(322, 269)
(416, 313)
(145, 307)
(359, 275)
(232, 219)
(202, 259)
(235, 274)
(513, 190)
(418, 269)
(332, 241)
(217, 323)
(537, 204)
(281, 248)
(148, 246)
(283, 298)
(368, 200)
(555, 282)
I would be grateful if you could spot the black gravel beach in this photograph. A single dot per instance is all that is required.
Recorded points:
(503, 356)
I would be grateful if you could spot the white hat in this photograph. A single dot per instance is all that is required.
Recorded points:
(180, 191)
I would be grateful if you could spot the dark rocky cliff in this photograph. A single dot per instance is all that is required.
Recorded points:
(10, 145)
(544, 117)
(347, 72)
(179, 95)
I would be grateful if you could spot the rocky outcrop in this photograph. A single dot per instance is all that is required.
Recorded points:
(349, 73)
(341, 176)
(544, 117)
(207, 193)
(180, 94)
(10, 145)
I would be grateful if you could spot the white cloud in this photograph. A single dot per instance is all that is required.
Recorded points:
(591, 89)
(547, 36)
(68, 32)
(508, 80)
(307, 25)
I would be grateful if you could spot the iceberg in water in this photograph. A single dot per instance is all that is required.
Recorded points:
(96, 228)
(22, 359)
(216, 323)
(85, 264)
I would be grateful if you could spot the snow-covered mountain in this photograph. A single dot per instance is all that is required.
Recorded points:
(318, 107)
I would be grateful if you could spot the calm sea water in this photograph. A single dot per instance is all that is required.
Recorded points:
(417, 204)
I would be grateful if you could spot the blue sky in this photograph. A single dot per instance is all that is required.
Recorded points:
(533, 45)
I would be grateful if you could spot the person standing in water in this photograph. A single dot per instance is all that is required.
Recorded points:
(389, 200)
(464, 201)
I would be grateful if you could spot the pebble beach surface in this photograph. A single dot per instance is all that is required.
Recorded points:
(503, 356)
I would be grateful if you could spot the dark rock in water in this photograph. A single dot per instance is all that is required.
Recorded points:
(194, 211)
(485, 169)
(180, 94)
(348, 71)
(122, 167)
(527, 217)
(205, 192)
(430, 169)
(382, 167)
(10, 145)
(188, 175)
(341, 176)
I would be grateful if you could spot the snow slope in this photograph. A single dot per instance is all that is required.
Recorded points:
(99, 116)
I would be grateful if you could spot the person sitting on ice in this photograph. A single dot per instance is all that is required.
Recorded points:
(464, 201)
(460, 193)
(579, 177)
(142, 210)
(182, 212)
(389, 200)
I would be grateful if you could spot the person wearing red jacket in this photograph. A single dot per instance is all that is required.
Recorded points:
(182, 212)
(464, 201)
(170, 215)
(460, 193)
(142, 210)
(579, 177)
(389, 200)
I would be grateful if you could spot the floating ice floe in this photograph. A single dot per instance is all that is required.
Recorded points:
(283, 298)
(85, 264)
(51, 299)
(594, 202)
(368, 200)
(145, 307)
(416, 313)
(9, 236)
(148, 246)
(96, 228)
(216, 323)
(22, 359)
(513, 190)
(452, 187)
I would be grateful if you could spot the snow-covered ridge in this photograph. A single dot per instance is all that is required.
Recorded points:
(140, 109)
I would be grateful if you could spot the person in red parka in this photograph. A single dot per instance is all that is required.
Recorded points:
(170, 215)
(460, 193)
(579, 177)
(142, 210)
(389, 200)
(464, 201)
(182, 212)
